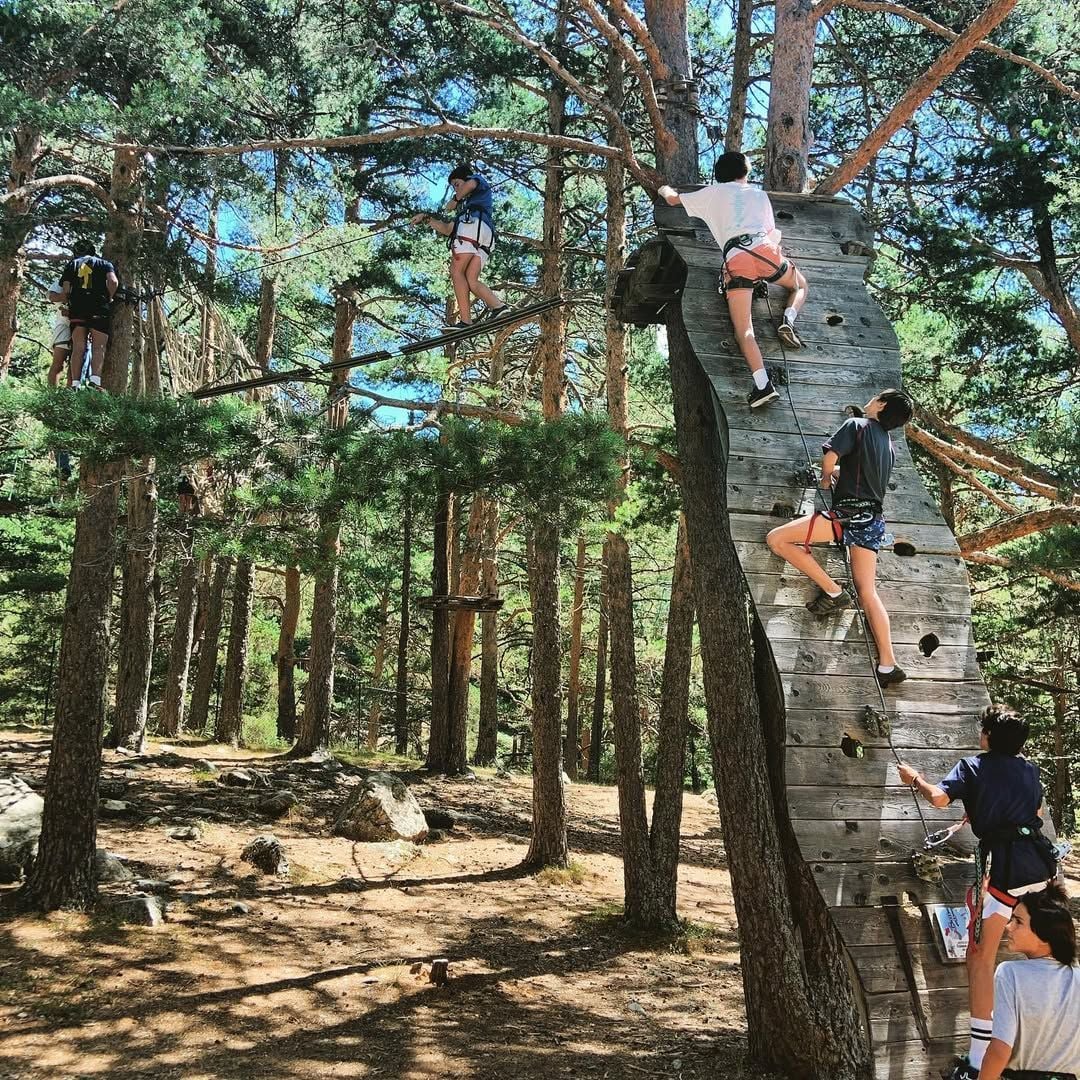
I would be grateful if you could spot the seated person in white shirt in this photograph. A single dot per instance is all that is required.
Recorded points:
(741, 221)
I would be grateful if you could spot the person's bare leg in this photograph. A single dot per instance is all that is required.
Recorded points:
(864, 575)
(739, 303)
(99, 341)
(787, 541)
(59, 362)
(478, 288)
(796, 286)
(78, 351)
(459, 266)
(980, 962)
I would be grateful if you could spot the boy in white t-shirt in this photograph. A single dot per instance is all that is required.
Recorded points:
(740, 219)
(61, 335)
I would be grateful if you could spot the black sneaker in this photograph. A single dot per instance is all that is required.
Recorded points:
(762, 397)
(450, 328)
(962, 1069)
(888, 678)
(786, 333)
(824, 604)
(491, 314)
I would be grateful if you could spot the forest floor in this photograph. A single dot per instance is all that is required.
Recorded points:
(325, 974)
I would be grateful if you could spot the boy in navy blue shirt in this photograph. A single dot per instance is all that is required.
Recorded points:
(1002, 797)
(471, 236)
(864, 449)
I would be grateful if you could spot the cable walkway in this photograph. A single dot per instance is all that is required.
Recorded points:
(856, 823)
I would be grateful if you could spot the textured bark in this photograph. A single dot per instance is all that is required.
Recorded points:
(401, 699)
(548, 846)
(787, 143)
(439, 736)
(264, 339)
(801, 1005)
(674, 727)
(596, 737)
(63, 872)
(1014, 528)
(206, 669)
(487, 736)
(917, 92)
(176, 678)
(230, 720)
(15, 225)
(573, 682)
(138, 603)
(740, 76)
(286, 657)
(374, 719)
(461, 640)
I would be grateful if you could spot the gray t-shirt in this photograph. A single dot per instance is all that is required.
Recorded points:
(1037, 1012)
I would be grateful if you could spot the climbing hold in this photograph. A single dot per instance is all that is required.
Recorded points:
(876, 721)
(850, 747)
(834, 319)
(904, 548)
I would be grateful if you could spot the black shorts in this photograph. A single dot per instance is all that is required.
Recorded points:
(92, 320)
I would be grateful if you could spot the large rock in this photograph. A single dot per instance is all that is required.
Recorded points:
(20, 826)
(139, 910)
(381, 808)
(266, 853)
(278, 804)
(108, 868)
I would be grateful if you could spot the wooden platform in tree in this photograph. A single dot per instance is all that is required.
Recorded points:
(857, 825)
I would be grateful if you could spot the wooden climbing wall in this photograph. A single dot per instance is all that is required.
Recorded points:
(857, 825)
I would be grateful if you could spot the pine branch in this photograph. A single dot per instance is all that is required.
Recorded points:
(982, 559)
(1015, 528)
(46, 184)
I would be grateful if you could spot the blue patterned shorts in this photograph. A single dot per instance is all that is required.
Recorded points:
(870, 535)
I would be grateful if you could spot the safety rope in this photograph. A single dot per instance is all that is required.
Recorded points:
(884, 727)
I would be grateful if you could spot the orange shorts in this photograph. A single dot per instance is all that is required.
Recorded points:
(761, 262)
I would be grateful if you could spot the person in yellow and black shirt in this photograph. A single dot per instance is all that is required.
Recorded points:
(89, 285)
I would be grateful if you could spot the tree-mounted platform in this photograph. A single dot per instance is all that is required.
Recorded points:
(461, 603)
(856, 824)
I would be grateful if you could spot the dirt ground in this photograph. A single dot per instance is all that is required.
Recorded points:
(325, 974)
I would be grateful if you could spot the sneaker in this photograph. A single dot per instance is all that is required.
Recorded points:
(887, 678)
(786, 333)
(451, 328)
(762, 397)
(823, 604)
(491, 314)
(962, 1069)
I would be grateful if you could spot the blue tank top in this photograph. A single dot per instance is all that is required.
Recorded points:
(477, 204)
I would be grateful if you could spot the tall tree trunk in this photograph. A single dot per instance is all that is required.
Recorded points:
(548, 846)
(596, 738)
(138, 604)
(401, 682)
(787, 143)
(15, 225)
(230, 720)
(206, 669)
(319, 697)
(802, 1011)
(439, 735)
(740, 75)
(674, 726)
(461, 642)
(487, 736)
(264, 339)
(1061, 787)
(286, 656)
(63, 872)
(176, 678)
(374, 720)
(573, 683)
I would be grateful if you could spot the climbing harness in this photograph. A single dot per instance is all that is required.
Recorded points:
(474, 210)
(759, 284)
(926, 865)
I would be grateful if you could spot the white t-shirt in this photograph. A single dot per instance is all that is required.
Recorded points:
(1037, 1012)
(733, 209)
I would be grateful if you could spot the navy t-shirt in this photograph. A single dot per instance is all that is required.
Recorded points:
(89, 292)
(1001, 791)
(479, 202)
(866, 460)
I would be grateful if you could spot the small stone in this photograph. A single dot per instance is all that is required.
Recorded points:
(439, 819)
(238, 907)
(266, 854)
(434, 836)
(140, 910)
(112, 788)
(202, 765)
(114, 806)
(108, 868)
(636, 1007)
(185, 832)
(155, 820)
(237, 778)
(123, 751)
(278, 804)
(177, 877)
(152, 885)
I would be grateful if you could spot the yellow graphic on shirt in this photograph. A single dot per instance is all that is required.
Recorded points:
(85, 272)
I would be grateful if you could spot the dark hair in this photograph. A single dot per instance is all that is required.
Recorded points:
(83, 247)
(897, 411)
(1052, 922)
(1005, 731)
(461, 172)
(730, 166)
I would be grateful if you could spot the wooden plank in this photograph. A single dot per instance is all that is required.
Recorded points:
(909, 1061)
(886, 842)
(828, 767)
(947, 569)
(792, 590)
(909, 506)
(873, 802)
(853, 691)
(852, 884)
(840, 370)
(823, 255)
(746, 472)
(892, 1019)
(870, 926)
(936, 538)
(912, 731)
(907, 628)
